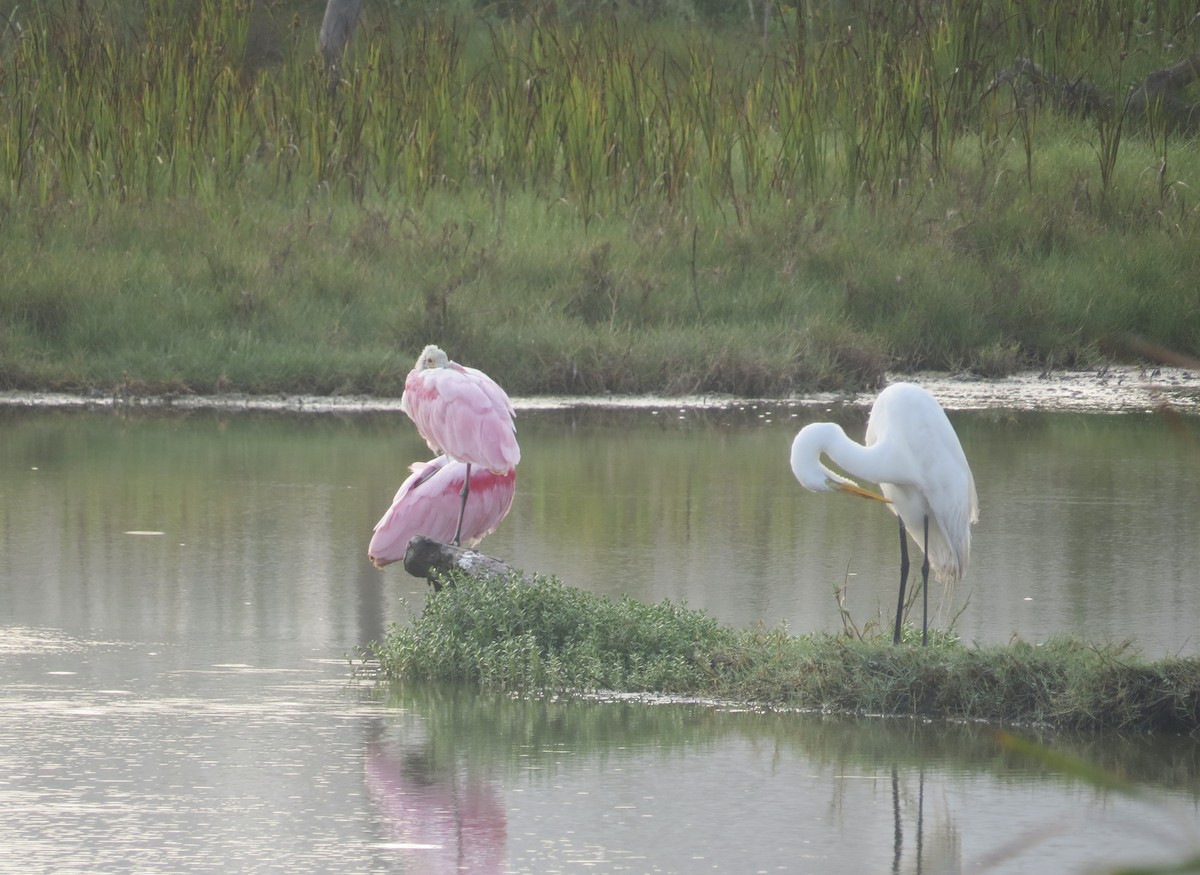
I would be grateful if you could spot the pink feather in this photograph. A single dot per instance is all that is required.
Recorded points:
(461, 412)
(428, 504)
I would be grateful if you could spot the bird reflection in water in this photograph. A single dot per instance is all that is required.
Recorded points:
(915, 848)
(442, 818)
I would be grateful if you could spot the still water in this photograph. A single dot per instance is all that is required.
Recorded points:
(179, 593)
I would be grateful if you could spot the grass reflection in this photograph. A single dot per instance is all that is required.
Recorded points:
(500, 733)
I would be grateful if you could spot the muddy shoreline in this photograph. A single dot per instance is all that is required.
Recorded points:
(1125, 389)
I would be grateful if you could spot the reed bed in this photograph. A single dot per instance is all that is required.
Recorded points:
(853, 100)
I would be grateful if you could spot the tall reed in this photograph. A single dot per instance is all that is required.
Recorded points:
(604, 112)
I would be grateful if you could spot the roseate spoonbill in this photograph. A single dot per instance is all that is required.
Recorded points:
(462, 413)
(912, 452)
(429, 502)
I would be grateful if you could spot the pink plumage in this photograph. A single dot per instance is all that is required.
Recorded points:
(442, 820)
(429, 502)
(461, 412)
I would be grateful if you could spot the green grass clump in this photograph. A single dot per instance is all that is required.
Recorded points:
(541, 635)
(1063, 683)
(520, 634)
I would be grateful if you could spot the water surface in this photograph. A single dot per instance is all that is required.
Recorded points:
(178, 594)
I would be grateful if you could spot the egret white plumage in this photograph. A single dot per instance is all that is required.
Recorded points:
(914, 454)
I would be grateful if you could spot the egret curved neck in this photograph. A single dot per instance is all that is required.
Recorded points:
(866, 463)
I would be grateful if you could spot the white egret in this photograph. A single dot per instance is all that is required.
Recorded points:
(912, 452)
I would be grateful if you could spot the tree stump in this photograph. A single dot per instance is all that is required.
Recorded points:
(336, 29)
(428, 558)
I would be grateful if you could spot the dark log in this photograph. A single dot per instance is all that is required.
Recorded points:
(1158, 98)
(1030, 83)
(428, 558)
(1160, 95)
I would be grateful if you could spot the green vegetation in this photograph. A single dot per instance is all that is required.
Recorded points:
(542, 636)
(622, 201)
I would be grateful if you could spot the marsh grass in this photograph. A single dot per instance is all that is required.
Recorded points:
(326, 297)
(542, 636)
(588, 203)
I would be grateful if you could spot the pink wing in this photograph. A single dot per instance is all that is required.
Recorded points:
(427, 504)
(463, 413)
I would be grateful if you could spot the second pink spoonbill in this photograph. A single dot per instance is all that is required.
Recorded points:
(428, 503)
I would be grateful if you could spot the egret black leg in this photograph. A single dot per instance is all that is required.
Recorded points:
(925, 587)
(462, 509)
(898, 829)
(903, 580)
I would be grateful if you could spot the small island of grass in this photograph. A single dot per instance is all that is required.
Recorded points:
(540, 635)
